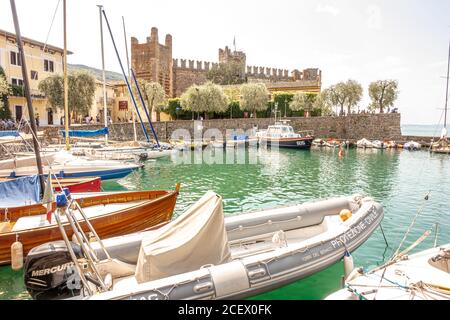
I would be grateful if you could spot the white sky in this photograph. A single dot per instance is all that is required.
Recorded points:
(405, 40)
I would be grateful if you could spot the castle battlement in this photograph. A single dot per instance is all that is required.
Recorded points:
(153, 61)
(267, 72)
(193, 65)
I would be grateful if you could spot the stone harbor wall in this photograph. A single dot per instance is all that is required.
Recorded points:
(353, 127)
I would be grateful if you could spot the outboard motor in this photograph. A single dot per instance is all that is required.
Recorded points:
(49, 272)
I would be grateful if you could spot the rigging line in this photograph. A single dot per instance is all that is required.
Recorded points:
(412, 223)
(51, 25)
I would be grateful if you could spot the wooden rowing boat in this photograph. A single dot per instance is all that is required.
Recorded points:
(73, 184)
(111, 214)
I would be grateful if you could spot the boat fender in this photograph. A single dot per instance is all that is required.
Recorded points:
(345, 214)
(348, 264)
(16, 255)
(354, 274)
(108, 281)
(61, 200)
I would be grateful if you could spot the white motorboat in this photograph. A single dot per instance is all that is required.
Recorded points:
(204, 255)
(319, 142)
(364, 143)
(377, 144)
(421, 276)
(412, 146)
(65, 165)
(282, 135)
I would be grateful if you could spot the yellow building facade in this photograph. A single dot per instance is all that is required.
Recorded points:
(42, 61)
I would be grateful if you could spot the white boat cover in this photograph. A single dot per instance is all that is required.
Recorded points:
(195, 239)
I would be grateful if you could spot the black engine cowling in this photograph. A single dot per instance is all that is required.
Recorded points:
(49, 272)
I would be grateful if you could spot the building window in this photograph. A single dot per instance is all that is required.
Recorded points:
(34, 75)
(15, 58)
(48, 65)
(17, 82)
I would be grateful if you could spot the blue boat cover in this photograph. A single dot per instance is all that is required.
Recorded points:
(19, 192)
(9, 134)
(86, 133)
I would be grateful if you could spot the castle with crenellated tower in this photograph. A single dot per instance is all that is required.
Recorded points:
(153, 61)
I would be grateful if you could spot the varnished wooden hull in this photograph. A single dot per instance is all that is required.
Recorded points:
(158, 209)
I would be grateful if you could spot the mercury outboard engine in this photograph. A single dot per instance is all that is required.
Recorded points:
(49, 272)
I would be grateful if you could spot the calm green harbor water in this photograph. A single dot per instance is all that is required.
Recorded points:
(398, 179)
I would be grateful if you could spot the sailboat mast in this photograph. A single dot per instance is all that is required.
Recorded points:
(129, 77)
(27, 93)
(105, 108)
(66, 81)
(446, 92)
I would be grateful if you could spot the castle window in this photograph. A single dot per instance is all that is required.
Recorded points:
(34, 75)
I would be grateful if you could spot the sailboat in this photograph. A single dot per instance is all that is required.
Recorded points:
(422, 276)
(442, 146)
(134, 150)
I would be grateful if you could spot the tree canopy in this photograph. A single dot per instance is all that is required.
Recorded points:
(81, 91)
(254, 97)
(5, 91)
(154, 96)
(303, 101)
(323, 103)
(383, 94)
(226, 73)
(345, 94)
(205, 98)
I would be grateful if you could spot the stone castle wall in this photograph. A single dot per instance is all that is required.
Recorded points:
(353, 127)
(153, 62)
(187, 73)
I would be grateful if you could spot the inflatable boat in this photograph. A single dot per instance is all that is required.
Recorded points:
(204, 255)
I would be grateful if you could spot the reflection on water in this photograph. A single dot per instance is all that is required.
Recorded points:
(398, 179)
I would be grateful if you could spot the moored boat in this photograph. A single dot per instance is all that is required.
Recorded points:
(421, 276)
(412, 146)
(204, 255)
(377, 144)
(364, 143)
(283, 136)
(74, 185)
(111, 214)
(333, 144)
(319, 142)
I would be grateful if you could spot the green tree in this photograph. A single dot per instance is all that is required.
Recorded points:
(383, 94)
(155, 97)
(303, 101)
(345, 94)
(175, 110)
(53, 89)
(81, 91)
(208, 98)
(323, 104)
(5, 91)
(254, 97)
(282, 101)
(227, 73)
(354, 94)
